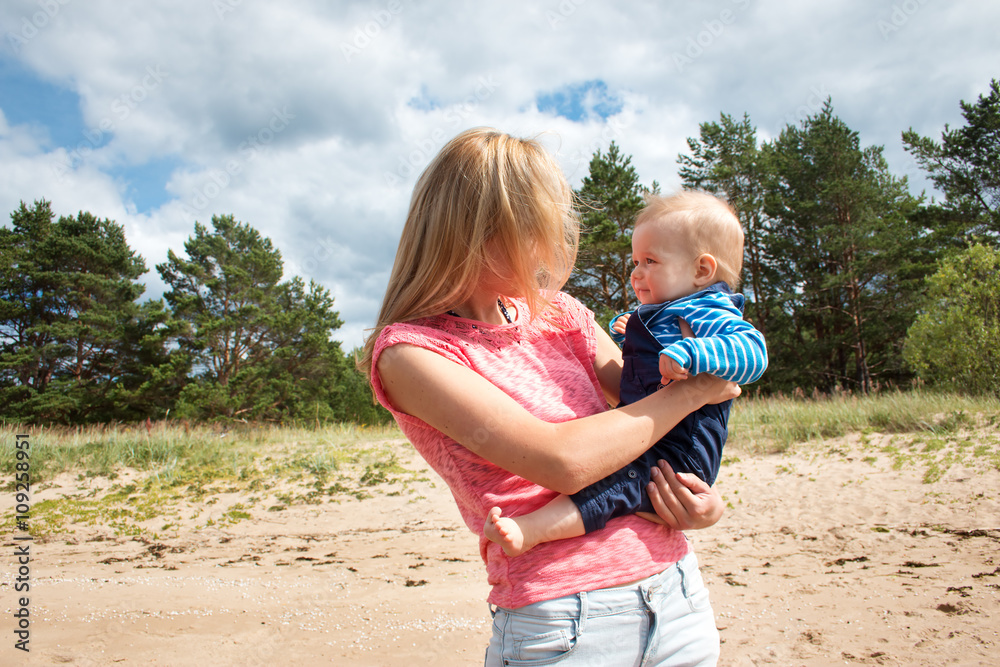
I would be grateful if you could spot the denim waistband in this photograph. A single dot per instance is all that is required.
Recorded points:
(607, 601)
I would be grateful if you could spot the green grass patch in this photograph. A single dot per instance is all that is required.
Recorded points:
(928, 432)
(186, 454)
(189, 468)
(177, 464)
(773, 424)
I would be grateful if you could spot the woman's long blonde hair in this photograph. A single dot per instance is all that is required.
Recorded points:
(487, 202)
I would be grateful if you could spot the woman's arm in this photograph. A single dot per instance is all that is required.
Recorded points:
(563, 457)
(608, 366)
(683, 501)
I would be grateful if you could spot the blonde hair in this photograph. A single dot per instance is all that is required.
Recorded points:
(707, 223)
(488, 201)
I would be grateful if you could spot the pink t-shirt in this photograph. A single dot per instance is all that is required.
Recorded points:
(547, 367)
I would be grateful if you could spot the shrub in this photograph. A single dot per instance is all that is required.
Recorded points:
(955, 342)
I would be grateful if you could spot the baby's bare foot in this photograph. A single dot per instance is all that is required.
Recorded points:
(505, 532)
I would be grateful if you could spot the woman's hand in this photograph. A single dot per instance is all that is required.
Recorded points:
(683, 501)
(708, 389)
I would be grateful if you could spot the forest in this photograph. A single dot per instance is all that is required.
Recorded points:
(857, 284)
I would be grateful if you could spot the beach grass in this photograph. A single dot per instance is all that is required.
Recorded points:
(921, 431)
(180, 453)
(138, 479)
(774, 424)
(177, 449)
(136, 473)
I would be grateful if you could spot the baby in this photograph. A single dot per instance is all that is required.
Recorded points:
(688, 253)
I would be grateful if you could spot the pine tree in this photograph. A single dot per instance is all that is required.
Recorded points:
(260, 348)
(609, 198)
(726, 160)
(965, 165)
(68, 309)
(841, 222)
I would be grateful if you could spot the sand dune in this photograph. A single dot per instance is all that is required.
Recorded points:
(831, 554)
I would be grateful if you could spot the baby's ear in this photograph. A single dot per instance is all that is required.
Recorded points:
(705, 268)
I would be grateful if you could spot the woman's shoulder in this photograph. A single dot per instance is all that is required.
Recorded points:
(568, 313)
(568, 303)
(429, 332)
(565, 315)
(413, 328)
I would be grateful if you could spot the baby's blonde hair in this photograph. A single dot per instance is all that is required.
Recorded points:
(707, 223)
(487, 201)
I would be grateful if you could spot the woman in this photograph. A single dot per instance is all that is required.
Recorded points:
(502, 384)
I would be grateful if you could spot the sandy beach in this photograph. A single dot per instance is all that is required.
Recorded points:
(838, 552)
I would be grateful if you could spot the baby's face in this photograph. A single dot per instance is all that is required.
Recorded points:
(664, 267)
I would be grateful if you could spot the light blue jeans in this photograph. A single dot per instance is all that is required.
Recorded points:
(663, 620)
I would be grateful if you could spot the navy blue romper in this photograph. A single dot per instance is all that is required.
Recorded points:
(695, 445)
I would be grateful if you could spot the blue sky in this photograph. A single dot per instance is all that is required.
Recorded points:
(580, 101)
(30, 100)
(312, 121)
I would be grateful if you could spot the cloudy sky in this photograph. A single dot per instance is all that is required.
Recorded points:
(311, 120)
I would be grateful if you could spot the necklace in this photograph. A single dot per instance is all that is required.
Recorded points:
(503, 310)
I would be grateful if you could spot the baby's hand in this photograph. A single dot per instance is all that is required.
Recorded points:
(620, 323)
(671, 370)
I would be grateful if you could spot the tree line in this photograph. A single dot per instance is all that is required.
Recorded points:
(229, 340)
(856, 284)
